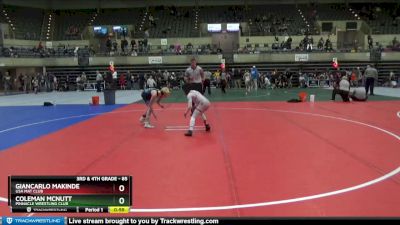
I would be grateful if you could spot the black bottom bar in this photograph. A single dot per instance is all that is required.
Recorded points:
(59, 209)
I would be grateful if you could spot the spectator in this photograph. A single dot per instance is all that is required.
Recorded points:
(370, 74)
(178, 49)
(151, 83)
(122, 82)
(55, 83)
(320, 45)
(152, 22)
(7, 83)
(392, 80)
(302, 81)
(40, 46)
(395, 43)
(370, 43)
(254, 76)
(99, 81)
(84, 78)
(166, 75)
(42, 82)
(360, 77)
(115, 46)
(35, 84)
(142, 81)
(247, 81)
(108, 45)
(146, 37)
(207, 82)
(27, 80)
(237, 78)
(289, 43)
(124, 45)
(49, 82)
(223, 80)
(310, 43)
(133, 45)
(78, 83)
(328, 45)
(354, 78)
(129, 84)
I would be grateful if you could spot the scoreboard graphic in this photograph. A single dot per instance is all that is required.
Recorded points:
(87, 194)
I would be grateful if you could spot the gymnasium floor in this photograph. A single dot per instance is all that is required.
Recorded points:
(263, 156)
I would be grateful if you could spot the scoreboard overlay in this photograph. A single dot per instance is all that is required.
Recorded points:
(88, 194)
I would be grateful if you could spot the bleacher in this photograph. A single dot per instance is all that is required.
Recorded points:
(382, 18)
(65, 19)
(27, 21)
(118, 16)
(275, 20)
(167, 25)
(333, 12)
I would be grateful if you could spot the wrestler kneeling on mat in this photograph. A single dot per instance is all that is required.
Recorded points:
(197, 104)
(150, 96)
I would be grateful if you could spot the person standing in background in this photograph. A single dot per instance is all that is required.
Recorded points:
(151, 83)
(254, 77)
(55, 83)
(27, 81)
(35, 84)
(7, 83)
(370, 74)
(207, 82)
(237, 78)
(142, 81)
(99, 81)
(359, 77)
(247, 81)
(223, 80)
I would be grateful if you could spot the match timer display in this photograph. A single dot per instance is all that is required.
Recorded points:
(87, 194)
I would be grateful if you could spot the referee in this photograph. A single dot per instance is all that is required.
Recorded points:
(194, 76)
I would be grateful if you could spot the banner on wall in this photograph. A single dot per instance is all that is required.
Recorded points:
(301, 57)
(155, 60)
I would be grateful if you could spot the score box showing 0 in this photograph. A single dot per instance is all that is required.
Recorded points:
(69, 191)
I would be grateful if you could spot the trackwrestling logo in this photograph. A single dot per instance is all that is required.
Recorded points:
(9, 220)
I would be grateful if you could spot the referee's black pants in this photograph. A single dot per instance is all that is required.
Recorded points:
(369, 84)
(197, 87)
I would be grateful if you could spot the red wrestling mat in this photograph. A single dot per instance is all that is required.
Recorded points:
(260, 159)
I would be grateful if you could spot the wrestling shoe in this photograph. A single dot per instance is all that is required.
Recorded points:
(141, 120)
(189, 133)
(148, 125)
(208, 128)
